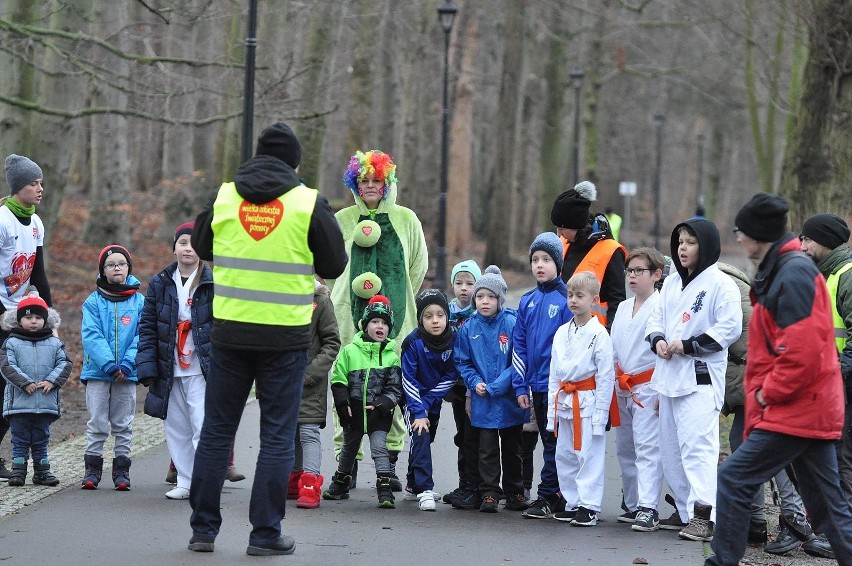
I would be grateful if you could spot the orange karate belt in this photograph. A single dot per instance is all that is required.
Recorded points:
(183, 329)
(627, 381)
(570, 387)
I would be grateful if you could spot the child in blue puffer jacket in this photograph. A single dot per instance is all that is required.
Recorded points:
(499, 403)
(110, 338)
(34, 364)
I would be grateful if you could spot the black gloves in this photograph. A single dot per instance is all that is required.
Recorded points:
(342, 408)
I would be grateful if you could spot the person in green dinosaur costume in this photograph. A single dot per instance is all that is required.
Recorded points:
(387, 255)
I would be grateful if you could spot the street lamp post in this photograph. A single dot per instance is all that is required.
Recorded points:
(577, 82)
(446, 16)
(658, 118)
(248, 94)
(699, 194)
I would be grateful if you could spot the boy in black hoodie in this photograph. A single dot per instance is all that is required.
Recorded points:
(697, 317)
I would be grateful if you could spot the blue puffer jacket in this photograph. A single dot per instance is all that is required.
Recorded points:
(110, 334)
(30, 358)
(155, 358)
(483, 354)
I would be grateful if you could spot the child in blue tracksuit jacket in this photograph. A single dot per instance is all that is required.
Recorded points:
(110, 337)
(540, 314)
(499, 401)
(428, 373)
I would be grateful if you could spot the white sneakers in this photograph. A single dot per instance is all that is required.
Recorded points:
(178, 493)
(409, 495)
(426, 500)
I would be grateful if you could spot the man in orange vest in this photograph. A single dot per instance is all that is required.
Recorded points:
(589, 246)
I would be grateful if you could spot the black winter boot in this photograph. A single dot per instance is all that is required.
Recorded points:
(393, 456)
(339, 488)
(19, 472)
(5, 472)
(94, 470)
(121, 473)
(385, 492)
(42, 474)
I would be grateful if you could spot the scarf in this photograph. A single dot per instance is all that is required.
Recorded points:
(440, 343)
(115, 292)
(184, 326)
(19, 209)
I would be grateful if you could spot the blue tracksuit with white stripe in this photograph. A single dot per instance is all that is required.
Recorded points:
(426, 377)
(540, 314)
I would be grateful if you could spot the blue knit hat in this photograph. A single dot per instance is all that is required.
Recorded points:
(466, 266)
(550, 243)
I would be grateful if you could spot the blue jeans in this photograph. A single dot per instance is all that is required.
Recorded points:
(278, 378)
(549, 485)
(30, 432)
(760, 457)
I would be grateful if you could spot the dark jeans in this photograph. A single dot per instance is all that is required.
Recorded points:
(420, 456)
(278, 378)
(460, 416)
(761, 456)
(470, 447)
(30, 432)
(844, 456)
(549, 485)
(528, 444)
(496, 446)
(735, 438)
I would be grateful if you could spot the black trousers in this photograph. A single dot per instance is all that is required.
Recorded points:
(498, 446)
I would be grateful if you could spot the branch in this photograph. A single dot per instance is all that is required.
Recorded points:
(28, 31)
(154, 11)
(634, 7)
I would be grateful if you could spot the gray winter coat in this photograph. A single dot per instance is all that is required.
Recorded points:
(26, 359)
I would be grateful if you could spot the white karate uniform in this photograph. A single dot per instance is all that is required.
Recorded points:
(689, 413)
(637, 439)
(186, 400)
(579, 353)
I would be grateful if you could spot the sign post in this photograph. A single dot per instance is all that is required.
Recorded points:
(627, 189)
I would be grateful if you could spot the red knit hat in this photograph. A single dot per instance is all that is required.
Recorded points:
(32, 305)
(185, 228)
(114, 249)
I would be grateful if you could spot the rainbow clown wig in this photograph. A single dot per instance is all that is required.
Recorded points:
(373, 162)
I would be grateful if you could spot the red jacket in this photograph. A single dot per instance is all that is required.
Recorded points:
(791, 353)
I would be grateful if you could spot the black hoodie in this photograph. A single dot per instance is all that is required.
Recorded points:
(258, 180)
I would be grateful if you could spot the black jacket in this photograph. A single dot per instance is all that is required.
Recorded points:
(259, 180)
(612, 286)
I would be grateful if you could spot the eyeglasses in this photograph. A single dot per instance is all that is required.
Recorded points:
(635, 271)
(735, 231)
(119, 265)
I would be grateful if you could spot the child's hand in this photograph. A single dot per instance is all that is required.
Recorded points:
(676, 347)
(368, 407)
(119, 376)
(30, 388)
(45, 386)
(523, 402)
(662, 348)
(480, 389)
(419, 426)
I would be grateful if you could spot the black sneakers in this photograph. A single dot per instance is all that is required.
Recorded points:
(489, 504)
(585, 518)
(647, 520)
(544, 507)
(284, 545)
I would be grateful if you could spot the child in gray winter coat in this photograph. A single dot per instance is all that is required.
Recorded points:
(34, 365)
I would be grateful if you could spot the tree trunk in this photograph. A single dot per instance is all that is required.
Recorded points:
(817, 170)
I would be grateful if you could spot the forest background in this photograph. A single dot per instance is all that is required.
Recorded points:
(133, 109)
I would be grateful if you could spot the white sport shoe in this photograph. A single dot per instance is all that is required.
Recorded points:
(426, 500)
(409, 495)
(178, 493)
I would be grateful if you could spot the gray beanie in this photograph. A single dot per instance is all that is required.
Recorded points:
(551, 244)
(493, 281)
(21, 171)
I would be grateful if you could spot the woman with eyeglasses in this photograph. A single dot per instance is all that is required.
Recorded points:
(110, 337)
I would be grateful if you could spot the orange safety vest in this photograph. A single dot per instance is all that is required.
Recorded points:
(596, 261)
(626, 381)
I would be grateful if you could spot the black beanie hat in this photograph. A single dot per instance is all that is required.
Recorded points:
(431, 297)
(828, 230)
(114, 249)
(378, 307)
(763, 218)
(571, 208)
(278, 140)
(32, 305)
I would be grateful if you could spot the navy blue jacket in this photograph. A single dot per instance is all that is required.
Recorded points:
(426, 375)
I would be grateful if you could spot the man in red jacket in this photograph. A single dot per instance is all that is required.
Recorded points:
(794, 392)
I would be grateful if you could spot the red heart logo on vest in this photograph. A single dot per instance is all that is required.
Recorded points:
(685, 317)
(367, 230)
(367, 284)
(259, 220)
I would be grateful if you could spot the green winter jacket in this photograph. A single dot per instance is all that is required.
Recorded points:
(368, 373)
(325, 344)
(734, 392)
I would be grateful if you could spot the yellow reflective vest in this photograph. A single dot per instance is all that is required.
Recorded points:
(263, 269)
(832, 283)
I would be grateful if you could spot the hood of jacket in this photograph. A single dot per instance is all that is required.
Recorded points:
(10, 319)
(709, 247)
(388, 202)
(264, 178)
